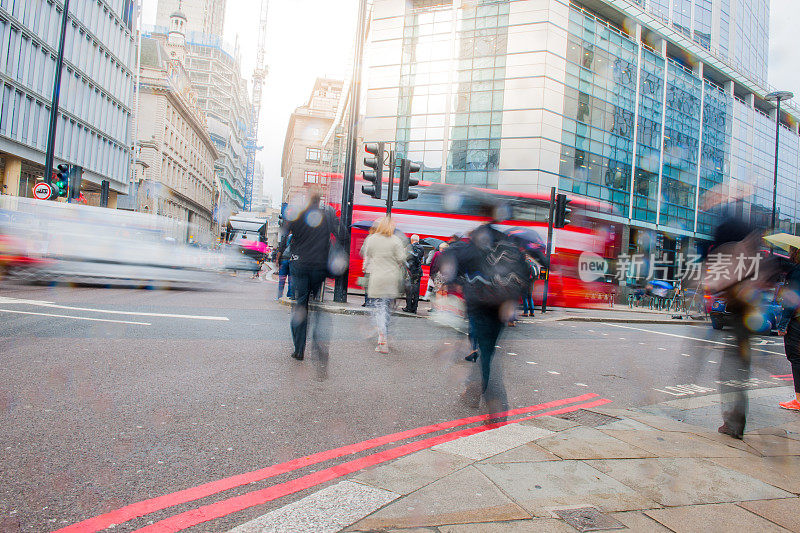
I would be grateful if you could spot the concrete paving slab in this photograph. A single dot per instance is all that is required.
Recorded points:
(539, 525)
(784, 512)
(720, 517)
(686, 481)
(488, 443)
(638, 522)
(626, 424)
(771, 445)
(325, 511)
(540, 487)
(694, 403)
(463, 497)
(781, 471)
(527, 453)
(589, 443)
(407, 474)
(551, 423)
(666, 424)
(675, 444)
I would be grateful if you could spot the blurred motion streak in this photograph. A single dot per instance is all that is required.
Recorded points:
(56, 242)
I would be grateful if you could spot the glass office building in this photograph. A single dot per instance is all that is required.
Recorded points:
(616, 100)
(97, 89)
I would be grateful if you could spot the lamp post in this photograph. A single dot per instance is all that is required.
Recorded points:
(778, 97)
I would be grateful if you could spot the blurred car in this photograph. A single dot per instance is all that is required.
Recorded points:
(763, 320)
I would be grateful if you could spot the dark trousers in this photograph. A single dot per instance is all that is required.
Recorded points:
(486, 328)
(412, 294)
(527, 304)
(736, 368)
(307, 283)
(284, 271)
(791, 343)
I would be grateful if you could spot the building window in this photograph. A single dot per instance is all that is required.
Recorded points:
(326, 156)
(313, 154)
(311, 177)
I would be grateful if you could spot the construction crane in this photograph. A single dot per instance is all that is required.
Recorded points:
(259, 76)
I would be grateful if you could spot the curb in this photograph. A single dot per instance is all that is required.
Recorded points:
(339, 310)
(662, 321)
(353, 311)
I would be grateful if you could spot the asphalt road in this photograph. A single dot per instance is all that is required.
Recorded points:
(112, 396)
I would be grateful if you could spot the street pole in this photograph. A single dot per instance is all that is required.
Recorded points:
(349, 178)
(549, 247)
(777, 96)
(775, 176)
(390, 191)
(51, 134)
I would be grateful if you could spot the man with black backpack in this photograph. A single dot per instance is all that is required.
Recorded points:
(494, 275)
(414, 264)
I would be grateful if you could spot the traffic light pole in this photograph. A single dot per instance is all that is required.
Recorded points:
(349, 179)
(390, 191)
(51, 134)
(549, 247)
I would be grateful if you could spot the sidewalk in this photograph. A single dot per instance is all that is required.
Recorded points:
(619, 314)
(639, 470)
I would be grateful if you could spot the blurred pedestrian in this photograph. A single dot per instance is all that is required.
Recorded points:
(310, 231)
(414, 265)
(384, 262)
(734, 237)
(435, 279)
(527, 298)
(494, 275)
(789, 326)
(283, 262)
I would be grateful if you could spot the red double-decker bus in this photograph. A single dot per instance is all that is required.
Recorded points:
(441, 211)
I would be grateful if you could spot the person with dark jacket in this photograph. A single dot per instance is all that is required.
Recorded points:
(311, 230)
(464, 260)
(789, 327)
(414, 264)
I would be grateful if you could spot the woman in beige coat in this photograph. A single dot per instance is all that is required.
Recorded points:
(384, 262)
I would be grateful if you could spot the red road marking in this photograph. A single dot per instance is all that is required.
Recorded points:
(783, 376)
(135, 510)
(238, 503)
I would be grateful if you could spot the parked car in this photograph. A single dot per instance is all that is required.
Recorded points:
(765, 320)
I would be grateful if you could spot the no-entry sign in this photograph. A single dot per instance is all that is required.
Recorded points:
(42, 191)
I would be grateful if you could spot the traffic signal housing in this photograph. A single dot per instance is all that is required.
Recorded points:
(62, 180)
(374, 176)
(407, 168)
(561, 217)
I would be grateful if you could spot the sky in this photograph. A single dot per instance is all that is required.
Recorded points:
(307, 39)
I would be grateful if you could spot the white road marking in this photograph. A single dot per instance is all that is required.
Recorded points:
(109, 311)
(532, 363)
(710, 361)
(687, 337)
(581, 384)
(554, 372)
(76, 317)
(662, 348)
(686, 355)
(511, 353)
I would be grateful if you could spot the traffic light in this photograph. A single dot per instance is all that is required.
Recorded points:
(407, 168)
(374, 176)
(62, 180)
(561, 216)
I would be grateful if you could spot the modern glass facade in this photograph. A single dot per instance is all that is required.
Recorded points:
(737, 30)
(96, 87)
(523, 95)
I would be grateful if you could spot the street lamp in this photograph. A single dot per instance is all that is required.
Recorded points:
(778, 97)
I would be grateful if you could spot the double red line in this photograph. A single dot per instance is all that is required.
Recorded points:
(783, 377)
(258, 497)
